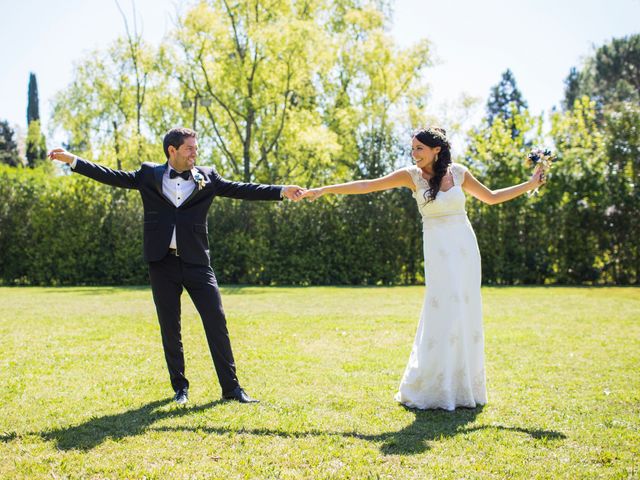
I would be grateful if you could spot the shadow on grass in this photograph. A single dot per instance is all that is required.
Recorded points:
(95, 431)
(94, 290)
(427, 427)
(433, 425)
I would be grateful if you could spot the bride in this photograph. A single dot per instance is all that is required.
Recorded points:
(446, 365)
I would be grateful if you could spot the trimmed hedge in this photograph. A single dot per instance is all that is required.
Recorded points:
(69, 230)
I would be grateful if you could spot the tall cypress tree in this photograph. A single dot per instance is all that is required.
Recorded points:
(33, 105)
(36, 146)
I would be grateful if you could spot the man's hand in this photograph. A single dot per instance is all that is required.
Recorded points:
(61, 155)
(293, 192)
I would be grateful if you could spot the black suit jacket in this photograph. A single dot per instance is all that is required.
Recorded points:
(189, 219)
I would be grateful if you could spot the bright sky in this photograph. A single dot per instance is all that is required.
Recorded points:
(475, 41)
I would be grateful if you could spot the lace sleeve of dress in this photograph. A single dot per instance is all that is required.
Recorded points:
(457, 170)
(415, 173)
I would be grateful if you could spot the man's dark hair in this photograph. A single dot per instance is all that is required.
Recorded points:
(175, 137)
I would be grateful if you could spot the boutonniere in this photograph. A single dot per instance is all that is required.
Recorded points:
(199, 179)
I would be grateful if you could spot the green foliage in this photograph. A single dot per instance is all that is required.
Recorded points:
(33, 105)
(622, 193)
(510, 235)
(8, 147)
(577, 199)
(583, 227)
(315, 92)
(289, 92)
(373, 86)
(94, 236)
(256, 61)
(104, 110)
(609, 76)
(36, 145)
(505, 101)
(65, 230)
(571, 88)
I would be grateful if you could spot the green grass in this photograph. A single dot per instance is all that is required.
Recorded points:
(85, 394)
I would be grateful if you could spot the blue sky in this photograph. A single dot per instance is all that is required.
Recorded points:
(474, 42)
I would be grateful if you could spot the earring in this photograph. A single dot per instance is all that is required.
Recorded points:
(435, 159)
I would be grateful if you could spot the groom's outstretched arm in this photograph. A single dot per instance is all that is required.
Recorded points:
(115, 178)
(255, 191)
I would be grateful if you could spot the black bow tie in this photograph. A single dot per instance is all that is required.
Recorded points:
(185, 175)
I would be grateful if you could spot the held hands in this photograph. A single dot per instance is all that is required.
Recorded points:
(293, 192)
(313, 194)
(61, 155)
(296, 193)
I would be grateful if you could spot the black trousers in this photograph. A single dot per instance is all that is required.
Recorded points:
(168, 277)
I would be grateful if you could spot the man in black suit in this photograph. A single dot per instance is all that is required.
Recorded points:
(176, 198)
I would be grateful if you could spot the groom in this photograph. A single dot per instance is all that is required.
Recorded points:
(176, 198)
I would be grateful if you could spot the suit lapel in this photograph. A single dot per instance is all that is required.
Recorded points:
(158, 174)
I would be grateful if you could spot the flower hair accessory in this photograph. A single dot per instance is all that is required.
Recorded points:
(438, 132)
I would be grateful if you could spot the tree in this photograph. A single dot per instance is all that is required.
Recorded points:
(278, 106)
(36, 144)
(505, 101)
(510, 235)
(575, 201)
(622, 194)
(257, 62)
(33, 106)
(571, 88)
(373, 95)
(103, 111)
(609, 76)
(119, 102)
(281, 106)
(8, 146)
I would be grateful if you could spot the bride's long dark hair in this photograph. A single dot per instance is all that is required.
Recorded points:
(435, 137)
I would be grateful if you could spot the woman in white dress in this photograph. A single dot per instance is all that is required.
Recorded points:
(446, 366)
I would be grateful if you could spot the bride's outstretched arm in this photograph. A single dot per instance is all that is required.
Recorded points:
(492, 197)
(399, 178)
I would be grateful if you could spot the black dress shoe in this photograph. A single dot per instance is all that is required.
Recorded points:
(182, 396)
(239, 395)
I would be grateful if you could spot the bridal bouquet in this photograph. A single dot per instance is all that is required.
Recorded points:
(542, 158)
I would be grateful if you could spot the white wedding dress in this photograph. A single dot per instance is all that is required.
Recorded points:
(446, 366)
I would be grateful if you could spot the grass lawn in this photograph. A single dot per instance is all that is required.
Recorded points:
(85, 393)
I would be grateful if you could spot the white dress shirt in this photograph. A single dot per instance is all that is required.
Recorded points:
(177, 190)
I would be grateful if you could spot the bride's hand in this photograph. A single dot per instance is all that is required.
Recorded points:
(313, 193)
(538, 178)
